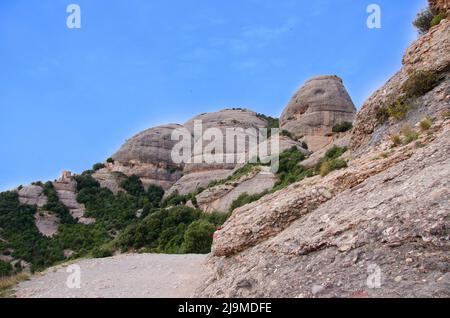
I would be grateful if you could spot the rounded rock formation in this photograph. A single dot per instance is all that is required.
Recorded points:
(317, 106)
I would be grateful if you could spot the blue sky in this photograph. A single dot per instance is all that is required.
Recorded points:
(70, 97)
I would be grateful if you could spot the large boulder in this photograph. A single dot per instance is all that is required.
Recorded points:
(315, 108)
(148, 155)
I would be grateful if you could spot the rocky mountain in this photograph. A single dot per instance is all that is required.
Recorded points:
(378, 228)
(359, 207)
(316, 107)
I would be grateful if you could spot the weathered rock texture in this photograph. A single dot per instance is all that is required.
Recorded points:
(315, 108)
(46, 223)
(428, 53)
(220, 198)
(379, 228)
(148, 155)
(109, 179)
(66, 190)
(32, 195)
(439, 5)
(323, 239)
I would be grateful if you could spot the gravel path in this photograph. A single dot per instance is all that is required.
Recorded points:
(123, 276)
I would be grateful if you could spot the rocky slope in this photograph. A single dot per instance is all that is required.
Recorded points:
(379, 228)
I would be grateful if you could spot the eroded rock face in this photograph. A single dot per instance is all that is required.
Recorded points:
(245, 121)
(46, 223)
(394, 219)
(439, 5)
(315, 108)
(428, 53)
(387, 213)
(66, 191)
(190, 182)
(221, 197)
(148, 155)
(32, 195)
(108, 179)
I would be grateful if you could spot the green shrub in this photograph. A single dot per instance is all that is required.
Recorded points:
(342, 127)
(398, 109)
(198, 237)
(216, 218)
(110, 160)
(419, 83)
(335, 152)
(98, 166)
(423, 21)
(162, 231)
(437, 19)
(54, 205)
(271, 121)
(133, 185)
(245, 199)
(426, 124)
(409, 134)
(86, 180)
(290, 170)
(155, 194)
(396, 140)
(330, 165)
(331, 161)
(102, 252)
(176, 199)
(5, 269)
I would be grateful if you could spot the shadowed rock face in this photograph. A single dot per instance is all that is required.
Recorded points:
(317, 106)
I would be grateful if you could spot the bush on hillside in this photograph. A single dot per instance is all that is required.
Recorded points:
(133, 185)
(198, 237)
(5, 269)
(426, 123)
(155, 194)
(419, 83)
(342, 127)
(438, 18)
(399, 109)
(98, 166)
(423, 21)
(85, 180)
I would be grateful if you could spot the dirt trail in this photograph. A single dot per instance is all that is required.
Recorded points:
(123, 276)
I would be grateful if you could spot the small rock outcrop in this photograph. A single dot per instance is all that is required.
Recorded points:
(66, 189)
(46, 223)
(32, 195)
(315, 108)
